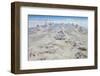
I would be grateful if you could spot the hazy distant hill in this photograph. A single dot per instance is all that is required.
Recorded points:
(57, 41)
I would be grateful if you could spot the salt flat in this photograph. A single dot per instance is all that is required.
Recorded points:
(66, 41)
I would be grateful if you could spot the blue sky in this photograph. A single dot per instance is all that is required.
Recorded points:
(83, 21)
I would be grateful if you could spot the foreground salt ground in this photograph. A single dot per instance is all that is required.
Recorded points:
(69, 42)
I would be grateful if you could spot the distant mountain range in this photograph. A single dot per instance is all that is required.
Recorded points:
(56, 26)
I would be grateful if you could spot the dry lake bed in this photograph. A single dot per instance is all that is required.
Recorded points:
(65, 41)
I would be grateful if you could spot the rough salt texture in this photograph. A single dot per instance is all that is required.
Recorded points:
(65, 41)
